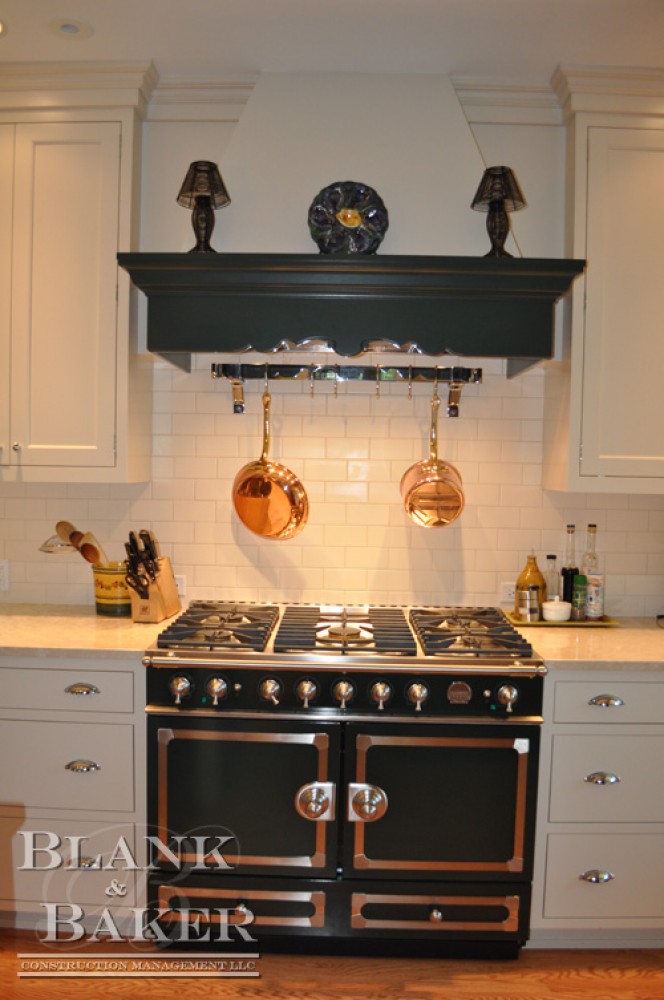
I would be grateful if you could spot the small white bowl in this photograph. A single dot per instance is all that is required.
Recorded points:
(556, 611)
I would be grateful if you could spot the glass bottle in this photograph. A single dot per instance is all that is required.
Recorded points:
(570, 569)
(594, 580)
(552, 578)
(530, 576)
(579, 598)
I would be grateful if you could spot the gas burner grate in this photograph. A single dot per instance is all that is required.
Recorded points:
(468, 632)
(345, 630)
(215, 625)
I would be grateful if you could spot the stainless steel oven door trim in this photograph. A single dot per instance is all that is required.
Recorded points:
(521, 745)
(316, 899)
(320, 741)
(437, 921)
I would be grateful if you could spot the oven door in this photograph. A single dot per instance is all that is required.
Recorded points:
(269, 788)
(452, 802)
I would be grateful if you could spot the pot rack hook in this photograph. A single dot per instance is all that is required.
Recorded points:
(410, 381)
(377, 381)
(266, 378)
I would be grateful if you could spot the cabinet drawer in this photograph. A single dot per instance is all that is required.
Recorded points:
(598, 701)
(63, 884)
(636, 862)
(68, 690)
(583, 779)
(35, 755)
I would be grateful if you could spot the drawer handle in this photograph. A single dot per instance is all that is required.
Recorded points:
(82, 766)
(602, 778)
(366, 803)
(596, 875)
(82, 688)
(436, 915)
(606, 701)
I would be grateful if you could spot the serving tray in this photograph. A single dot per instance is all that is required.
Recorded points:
(605, 622)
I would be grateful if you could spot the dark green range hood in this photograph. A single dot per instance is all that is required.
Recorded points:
(493, 307)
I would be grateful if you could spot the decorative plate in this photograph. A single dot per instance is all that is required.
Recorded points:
(348, 217)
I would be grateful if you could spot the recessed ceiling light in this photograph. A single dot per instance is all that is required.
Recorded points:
(71, 29)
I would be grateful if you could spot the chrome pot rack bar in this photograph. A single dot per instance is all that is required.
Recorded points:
(454, 378)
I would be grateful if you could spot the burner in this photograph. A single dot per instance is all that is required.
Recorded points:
(214, 625)
(345, 633)
(467, 632)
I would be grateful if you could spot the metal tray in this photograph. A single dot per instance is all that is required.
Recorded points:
(606, 622)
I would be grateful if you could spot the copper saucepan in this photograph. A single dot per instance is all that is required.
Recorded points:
(268, 498)
(431, 490)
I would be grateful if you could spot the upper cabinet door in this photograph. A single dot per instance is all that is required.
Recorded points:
(6, 184)
(623, 355)
(65, 237)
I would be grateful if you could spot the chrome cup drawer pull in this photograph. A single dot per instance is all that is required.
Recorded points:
(82, 688)
(602, 778)
(82, 766)
(596, 876)
(606, 701)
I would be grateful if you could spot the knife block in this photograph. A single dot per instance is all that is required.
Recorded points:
(163, 599)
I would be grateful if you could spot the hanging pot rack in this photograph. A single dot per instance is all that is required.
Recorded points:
(454, 378)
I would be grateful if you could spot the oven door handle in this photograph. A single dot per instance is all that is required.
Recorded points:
(316, 800)
(366, 803)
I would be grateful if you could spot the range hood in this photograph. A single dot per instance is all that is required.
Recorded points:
(408, 138)
(493, 307)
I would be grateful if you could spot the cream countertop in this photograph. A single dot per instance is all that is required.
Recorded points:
(58, 629)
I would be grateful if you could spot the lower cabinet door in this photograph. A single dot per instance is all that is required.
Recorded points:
(604, 875)
(77, 852)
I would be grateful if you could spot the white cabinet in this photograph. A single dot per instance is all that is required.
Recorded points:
(604, 408)
(599, 856)
(72, 785)
(76, 398)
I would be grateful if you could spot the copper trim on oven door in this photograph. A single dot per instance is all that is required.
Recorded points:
(437, 920)
(320, 741)
(521, 745)
(167, 894)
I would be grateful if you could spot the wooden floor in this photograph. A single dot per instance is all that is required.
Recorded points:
(536, 975)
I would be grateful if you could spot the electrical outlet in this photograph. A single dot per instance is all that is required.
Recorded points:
(507, 593)
(4, 574)
(181, 584)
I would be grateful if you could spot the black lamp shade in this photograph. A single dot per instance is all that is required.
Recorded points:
(499, 184)
(203, 179)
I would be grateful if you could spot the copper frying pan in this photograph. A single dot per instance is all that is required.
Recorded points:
(268, 498)
(431, 490)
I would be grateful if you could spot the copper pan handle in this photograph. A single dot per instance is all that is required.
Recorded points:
(433, 432)
(267, 399)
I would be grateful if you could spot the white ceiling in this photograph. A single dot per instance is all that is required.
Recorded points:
(202, 40)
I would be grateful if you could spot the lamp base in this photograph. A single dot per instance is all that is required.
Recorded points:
(202, 221)
(498, 227)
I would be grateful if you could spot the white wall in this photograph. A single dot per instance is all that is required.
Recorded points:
(350, 451)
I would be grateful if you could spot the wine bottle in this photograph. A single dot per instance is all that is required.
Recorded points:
(570, 569)
(552, 578)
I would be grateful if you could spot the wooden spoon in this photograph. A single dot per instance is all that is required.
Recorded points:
(64, 530)
(90, 552)
(89, 539)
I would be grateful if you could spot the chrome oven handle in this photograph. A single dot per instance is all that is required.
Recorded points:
(366, 803)
(315, 801)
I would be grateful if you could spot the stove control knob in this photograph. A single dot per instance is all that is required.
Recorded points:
(506, 695)
(217, 688)
(270, 690)
(343, 691)
(380, 692)
(306, 691)
(180, 687)
(417, 694)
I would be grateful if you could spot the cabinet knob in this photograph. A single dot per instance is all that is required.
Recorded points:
(436, 915)
(602, 778)
(606, 701)
(16, 446)
(596, 875)
(82, 766)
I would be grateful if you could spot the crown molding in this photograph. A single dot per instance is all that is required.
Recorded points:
(200, 100)
(619, 89)
(486, 100)
(52, 86)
